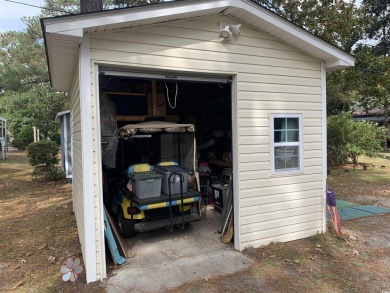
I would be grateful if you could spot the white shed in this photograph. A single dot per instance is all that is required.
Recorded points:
(261, 87)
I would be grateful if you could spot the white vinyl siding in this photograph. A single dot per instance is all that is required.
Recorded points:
(272, 77)
(77, 179)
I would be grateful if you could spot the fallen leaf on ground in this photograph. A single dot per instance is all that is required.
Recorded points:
(43, 246)
(29, 254)
(318, 246)
(51, 259)
(297, 261)
(353, 238)
(355, 252)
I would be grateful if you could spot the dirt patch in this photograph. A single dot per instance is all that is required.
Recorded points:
(316, 264)
(38, 231)
(325, 263)
(37, 224)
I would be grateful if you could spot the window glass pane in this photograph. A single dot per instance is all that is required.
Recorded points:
(286, 158)
(292, 135)
(279, 123)
(280, 136)
(293, 123)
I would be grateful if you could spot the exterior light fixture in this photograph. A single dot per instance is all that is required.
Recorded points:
(226, 31)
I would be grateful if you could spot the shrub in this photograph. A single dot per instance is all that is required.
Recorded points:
(367, 139)
(56, 137)
(26, 133)
(20, 144)
(338, 139)
(43, 157)
(24, 138)
(349, 139)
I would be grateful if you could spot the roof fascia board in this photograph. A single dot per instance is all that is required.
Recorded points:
(60, 25)
(295, 31)
(336, 64)
(74, 33)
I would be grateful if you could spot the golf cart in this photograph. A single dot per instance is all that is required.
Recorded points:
(156, 186)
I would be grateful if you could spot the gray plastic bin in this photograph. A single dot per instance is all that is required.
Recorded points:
(166, 171)
(145, 184)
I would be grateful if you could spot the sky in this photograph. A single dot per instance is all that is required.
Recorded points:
(11, 14)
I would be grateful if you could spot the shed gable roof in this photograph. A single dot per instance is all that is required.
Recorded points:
(62, 34)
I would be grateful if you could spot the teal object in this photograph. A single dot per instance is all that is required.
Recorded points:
(373, 209)
(347, 212)
(345, 204)
(118, 259)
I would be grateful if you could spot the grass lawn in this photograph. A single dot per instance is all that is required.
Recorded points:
(369, 186)
(38, 232)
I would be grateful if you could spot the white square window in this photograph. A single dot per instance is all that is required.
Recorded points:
(286, 141)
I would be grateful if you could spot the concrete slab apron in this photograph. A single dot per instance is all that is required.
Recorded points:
(166, 260)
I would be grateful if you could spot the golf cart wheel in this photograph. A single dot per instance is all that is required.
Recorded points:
(125, 226)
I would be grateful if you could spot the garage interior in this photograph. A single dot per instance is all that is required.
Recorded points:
(205, 102)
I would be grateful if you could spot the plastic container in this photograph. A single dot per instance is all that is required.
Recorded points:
(166, 171)
(219, 195)
(145, 184)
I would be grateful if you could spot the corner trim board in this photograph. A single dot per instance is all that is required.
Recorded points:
(87, 161)
(324, 145)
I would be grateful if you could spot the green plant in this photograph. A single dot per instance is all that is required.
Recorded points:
(338, 137)
(19, 144)
(56, 137)
(349, 139)
(367, 139)
(43, 157)
(26, 133)
(24, 138)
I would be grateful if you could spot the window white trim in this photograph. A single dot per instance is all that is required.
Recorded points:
(299, 144)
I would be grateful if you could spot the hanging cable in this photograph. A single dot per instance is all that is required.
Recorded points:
(40, 7)
(169, 101)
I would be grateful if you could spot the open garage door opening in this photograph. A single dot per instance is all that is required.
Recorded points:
(166, 156)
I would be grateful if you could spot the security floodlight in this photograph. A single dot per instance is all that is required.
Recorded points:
(228, 30)
(225, 32)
